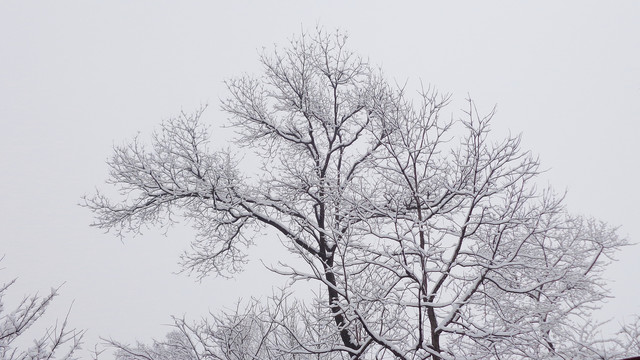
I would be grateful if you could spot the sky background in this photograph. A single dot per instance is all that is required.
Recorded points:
(77, 77)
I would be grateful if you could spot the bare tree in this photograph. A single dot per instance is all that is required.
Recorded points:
(430, 239)
(58, 341)
(628, 342)
(276, 329)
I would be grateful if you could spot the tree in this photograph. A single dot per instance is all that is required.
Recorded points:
(430, 239)
(629, 340)
(13, 324)
(270, 330)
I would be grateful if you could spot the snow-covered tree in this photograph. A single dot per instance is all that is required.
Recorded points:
(279, 329)
(58, 341)
(429, 237)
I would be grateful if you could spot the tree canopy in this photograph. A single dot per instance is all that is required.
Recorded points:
(430, 238)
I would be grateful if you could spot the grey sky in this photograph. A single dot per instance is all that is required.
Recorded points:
(78, 76)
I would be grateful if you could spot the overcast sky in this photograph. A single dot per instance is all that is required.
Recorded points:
(77, 77)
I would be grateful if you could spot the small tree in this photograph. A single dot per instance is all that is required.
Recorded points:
(276, 329)
(430, 239)
(58, 341)
(628, 342)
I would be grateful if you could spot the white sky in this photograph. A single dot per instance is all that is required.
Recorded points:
(78, 76)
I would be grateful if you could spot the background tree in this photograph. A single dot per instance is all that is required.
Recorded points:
(429, 239)
(57, 342)
(276, 329)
